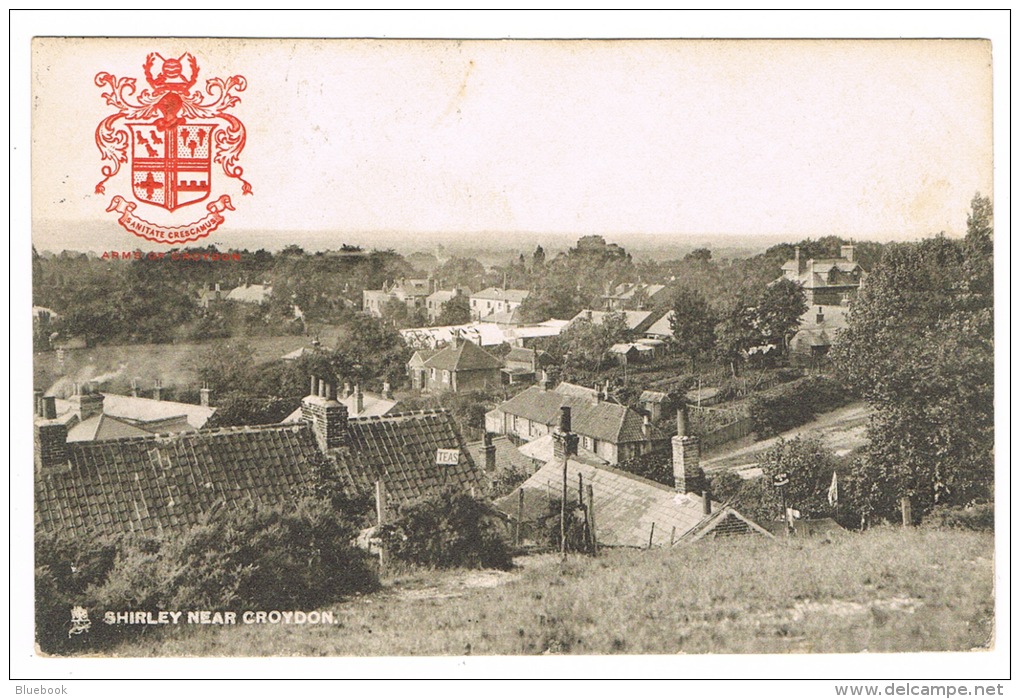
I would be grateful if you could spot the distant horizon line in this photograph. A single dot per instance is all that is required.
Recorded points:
(421, 239)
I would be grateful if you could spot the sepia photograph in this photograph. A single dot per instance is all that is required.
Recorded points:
(642, 349)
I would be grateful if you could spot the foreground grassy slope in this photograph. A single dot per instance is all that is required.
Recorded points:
(885, 590)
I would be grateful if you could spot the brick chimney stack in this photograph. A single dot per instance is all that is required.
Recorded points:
(87, 401)
(387, 390)
(157, 390)
(134, 387)
(205, 395)
(50, 437)
(564, 441)
(327, 417)
(847, 252)
(489, 451)
(688, 477)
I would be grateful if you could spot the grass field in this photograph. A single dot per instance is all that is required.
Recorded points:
(886, 590)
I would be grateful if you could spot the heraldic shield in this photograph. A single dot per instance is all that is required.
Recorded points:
(171, 167)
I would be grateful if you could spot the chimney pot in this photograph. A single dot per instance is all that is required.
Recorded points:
(322, 389)
(204, 395)
(489, 452)
(37, 408)
(681, 420)
(49, 407)
(706, 501)
(359, 400)
(311, 389)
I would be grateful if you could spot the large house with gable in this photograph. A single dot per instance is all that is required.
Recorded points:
(827, 282)
(160, 484)
(609, 430)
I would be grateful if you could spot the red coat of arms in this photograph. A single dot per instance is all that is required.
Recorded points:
(173, 138)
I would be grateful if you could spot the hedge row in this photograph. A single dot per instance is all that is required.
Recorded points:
(794, 404)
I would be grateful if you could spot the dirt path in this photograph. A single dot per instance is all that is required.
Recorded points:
(841, 430)
(457, 582)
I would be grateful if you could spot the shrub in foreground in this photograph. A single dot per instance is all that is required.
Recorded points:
(448, 530)
(295, 556)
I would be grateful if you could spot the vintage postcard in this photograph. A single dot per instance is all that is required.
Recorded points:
(406, 348)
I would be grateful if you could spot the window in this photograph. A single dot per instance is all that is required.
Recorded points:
(432, 374)
(446, 376)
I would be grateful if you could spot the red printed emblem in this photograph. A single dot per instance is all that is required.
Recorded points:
(174, 139)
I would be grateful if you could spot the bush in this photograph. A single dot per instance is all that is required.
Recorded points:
(979, 517)
(794, 404)
(448, 530)
(292, 556)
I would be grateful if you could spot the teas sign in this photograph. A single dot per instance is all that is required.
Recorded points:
(447, 457)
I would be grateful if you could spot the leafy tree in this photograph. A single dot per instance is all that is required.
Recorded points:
(698, 255)
(919, 346)
(369, 351)
(461, 271)
(585, 344)
(456, 311)
(692, 323)
(736, 333)
(555, 296)
(538, 258)
(979, 224)
(779, 310)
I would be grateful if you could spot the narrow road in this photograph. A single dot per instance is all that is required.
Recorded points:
(841, 430)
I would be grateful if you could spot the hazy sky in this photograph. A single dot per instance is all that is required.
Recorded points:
(875, 139)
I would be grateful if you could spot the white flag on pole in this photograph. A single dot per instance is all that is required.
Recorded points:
(833, 491)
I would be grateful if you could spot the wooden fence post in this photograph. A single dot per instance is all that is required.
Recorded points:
(905, 511)
(651, 533)
(563, 512)
(380, 513)
(520, 516)
(591, 520)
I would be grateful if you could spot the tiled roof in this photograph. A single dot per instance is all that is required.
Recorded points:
(160, 483)
(603, 420)
(626, 505)
(520, 354)
(401, 450)
(652, 397)
(508, 456)
(421, 356)
(413, 287)
(637, 321)
(467, 356)
(661, 327)
(153, 484)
